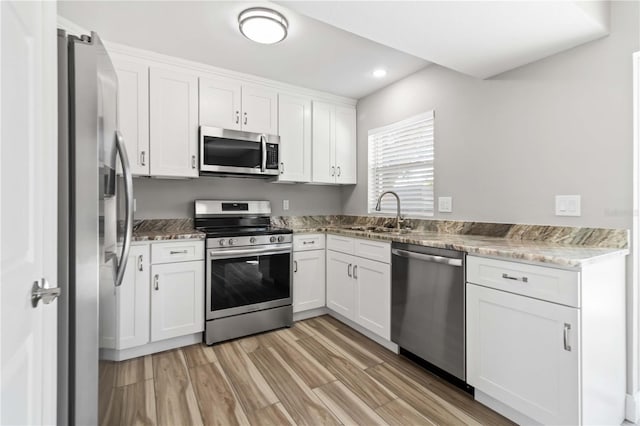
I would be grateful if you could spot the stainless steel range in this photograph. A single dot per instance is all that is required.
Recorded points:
(248, 270)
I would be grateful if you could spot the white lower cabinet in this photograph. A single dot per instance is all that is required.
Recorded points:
(524, 353)
(547, 345)
(308, 280)
(133, 300)
(177, 299)
(359, 288)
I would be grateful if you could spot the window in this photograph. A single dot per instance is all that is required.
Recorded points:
(401, 160)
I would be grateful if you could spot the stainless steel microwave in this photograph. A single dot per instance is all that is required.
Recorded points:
(235, 153)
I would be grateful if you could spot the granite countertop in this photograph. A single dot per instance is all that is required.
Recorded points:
(572, 256)
(566, 247)
(166, 229)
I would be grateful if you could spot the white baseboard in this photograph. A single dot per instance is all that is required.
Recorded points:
(150, 348)
(504, 409)
(311, 313)
(632, 407)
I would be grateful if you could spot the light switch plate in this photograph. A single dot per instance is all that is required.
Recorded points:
(445, 204)
(285, 204)
(568, 205)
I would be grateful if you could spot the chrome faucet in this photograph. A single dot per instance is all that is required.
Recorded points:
(398, 217)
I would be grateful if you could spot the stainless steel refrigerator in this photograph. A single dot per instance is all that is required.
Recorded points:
(89, 145)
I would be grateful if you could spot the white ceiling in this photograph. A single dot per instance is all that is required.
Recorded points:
(334, 46)
(479, 38)
(315, 55)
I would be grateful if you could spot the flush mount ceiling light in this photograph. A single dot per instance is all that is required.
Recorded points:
(263, 25)
(379, 73)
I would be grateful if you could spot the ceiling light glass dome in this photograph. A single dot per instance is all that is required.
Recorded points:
(263, 25)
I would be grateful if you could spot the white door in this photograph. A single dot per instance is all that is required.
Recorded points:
(133, 111)
(308, 280)
(177, 299)
(323, 141)
(259, 110)
(525, 353)
(133, 300)
(294, 116)
(220, 103)
(373, 296)
(28, 211)
(345, 145)
(340, 284)
(173, 123)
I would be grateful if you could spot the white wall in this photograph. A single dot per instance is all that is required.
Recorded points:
(506, 146)
(167, 198)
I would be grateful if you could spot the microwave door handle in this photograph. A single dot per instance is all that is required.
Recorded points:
(263, 141)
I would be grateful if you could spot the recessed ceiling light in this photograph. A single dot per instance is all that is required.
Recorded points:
(263, 25)
(379, 73)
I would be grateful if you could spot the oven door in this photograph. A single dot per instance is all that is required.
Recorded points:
(241, 280)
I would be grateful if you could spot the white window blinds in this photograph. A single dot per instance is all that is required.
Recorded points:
(401, 159)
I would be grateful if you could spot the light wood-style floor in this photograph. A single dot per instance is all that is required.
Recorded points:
(319, 372)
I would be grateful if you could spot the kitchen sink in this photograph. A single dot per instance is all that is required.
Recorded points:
(378, 229)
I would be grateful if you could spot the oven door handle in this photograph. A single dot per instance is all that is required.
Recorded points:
(225, 254)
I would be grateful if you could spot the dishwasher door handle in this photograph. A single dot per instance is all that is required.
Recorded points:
(427, 257)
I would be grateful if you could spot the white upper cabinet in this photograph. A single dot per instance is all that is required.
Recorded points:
(229, 104)
(173, 123)
(334, 144)
(345, 145)
(294, 115)
(133, 111)
(259, 110)
(220, 103)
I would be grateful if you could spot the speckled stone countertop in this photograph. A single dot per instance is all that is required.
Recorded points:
(560, 246)
(567, 247)
(165, 229)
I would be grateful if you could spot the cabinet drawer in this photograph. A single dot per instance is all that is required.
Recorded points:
(181, 251)
(374, 250)
(341, 244)
(308, 242)
(540, 282)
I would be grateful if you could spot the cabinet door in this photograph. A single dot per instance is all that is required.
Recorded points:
(220, 103)
(173, 123)
(345, 145)
(308, 280)
(373, 296)
(323, 142)
(525, 353)
(133, 112)
(259, 110)
(133, 300)
(177, 299)
(294, 116)
(340, 284)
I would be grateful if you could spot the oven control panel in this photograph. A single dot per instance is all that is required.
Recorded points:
(258, 240)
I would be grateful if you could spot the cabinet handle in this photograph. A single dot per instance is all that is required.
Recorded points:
(281, 168)
(295, 266)
(178, 252)
(509, 277)
(142, 159)
(338, 170)
(245, 118)
(155, 282)
(193, 161)
(309, 242)
(567, 328)
(237, 117)
(333, 171)
(355, 271)
(349, 271)
(140, 263)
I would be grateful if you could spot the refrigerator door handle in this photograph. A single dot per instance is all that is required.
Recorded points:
(128, 206)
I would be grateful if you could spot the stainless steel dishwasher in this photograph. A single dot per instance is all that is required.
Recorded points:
(428, 304)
